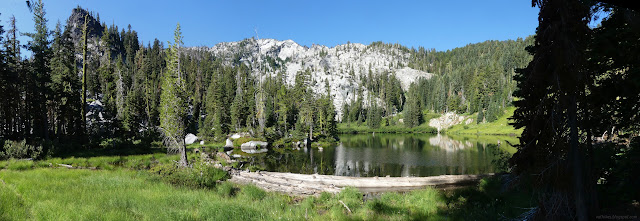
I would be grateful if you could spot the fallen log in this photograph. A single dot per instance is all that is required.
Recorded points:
(313, 184)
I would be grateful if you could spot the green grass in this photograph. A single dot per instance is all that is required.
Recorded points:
(498, 127)
(122, 194)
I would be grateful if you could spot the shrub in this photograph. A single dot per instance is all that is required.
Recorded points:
(206, 176)
(19, 149)
(200, 175)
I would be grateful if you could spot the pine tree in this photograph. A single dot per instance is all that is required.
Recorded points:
(413, 109)
(550, 88)
(284, 109)
(65, 86)
(330, 124)
(173, 105)
(37, 82)
(5, 108)
(238, 107)
(13, 94)
(84, 75)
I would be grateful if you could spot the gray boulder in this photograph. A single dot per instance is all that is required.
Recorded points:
(228, 143)
(190, 138)
(253, 145)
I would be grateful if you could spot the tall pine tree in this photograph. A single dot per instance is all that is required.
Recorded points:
(173, 101)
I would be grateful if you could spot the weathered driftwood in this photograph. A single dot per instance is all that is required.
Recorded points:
(303, 184)
(72, 167)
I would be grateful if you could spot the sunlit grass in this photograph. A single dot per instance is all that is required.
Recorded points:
(121, 194)
(499, 127)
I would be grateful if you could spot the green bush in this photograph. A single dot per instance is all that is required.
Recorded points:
(202, 176)
(19, 150)
(207, 176)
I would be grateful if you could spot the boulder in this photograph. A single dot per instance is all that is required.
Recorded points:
(446, 120)
(253, 145)
(239, 135)
(224, 156)
(228, 143)
(202, 142)
(190, 138)
(468, 121)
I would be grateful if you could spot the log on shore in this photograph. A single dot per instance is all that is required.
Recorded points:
(314, 184)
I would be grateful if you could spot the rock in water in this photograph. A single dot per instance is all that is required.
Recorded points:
(190, 138)
(253, 145)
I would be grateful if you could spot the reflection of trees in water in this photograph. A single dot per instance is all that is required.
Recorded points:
(394, 155)
(305, 162)
(413, 155)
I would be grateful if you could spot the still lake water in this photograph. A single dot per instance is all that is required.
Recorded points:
(396, 155)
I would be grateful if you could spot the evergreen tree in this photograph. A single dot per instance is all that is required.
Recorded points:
(11, 85)
(373, 114)
(550, 88)
(173, 105)
(5, 88)
(65, 86)
(330, 128)
(284, 109)
(84, 74)
(37, 81)
(480, 118)
(413, 109)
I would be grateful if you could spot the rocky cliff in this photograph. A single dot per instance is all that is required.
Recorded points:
(343, 66)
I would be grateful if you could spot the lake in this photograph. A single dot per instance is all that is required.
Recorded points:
(368, 155)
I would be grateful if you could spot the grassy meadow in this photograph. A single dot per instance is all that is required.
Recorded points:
(148, 187)
(499, 127)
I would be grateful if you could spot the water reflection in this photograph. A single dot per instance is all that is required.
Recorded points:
(392, 155)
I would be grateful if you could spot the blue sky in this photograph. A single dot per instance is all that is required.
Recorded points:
(441, 25)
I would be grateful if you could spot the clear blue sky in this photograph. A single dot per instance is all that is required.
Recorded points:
(432, 24)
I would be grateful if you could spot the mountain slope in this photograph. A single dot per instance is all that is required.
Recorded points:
(343, 66)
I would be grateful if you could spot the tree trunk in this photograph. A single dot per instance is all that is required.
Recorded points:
(577, 162)
(183, 154)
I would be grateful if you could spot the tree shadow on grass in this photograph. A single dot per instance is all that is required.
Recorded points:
(489, 200)
(111, 151)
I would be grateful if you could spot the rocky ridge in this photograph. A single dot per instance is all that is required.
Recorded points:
(343, 66)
